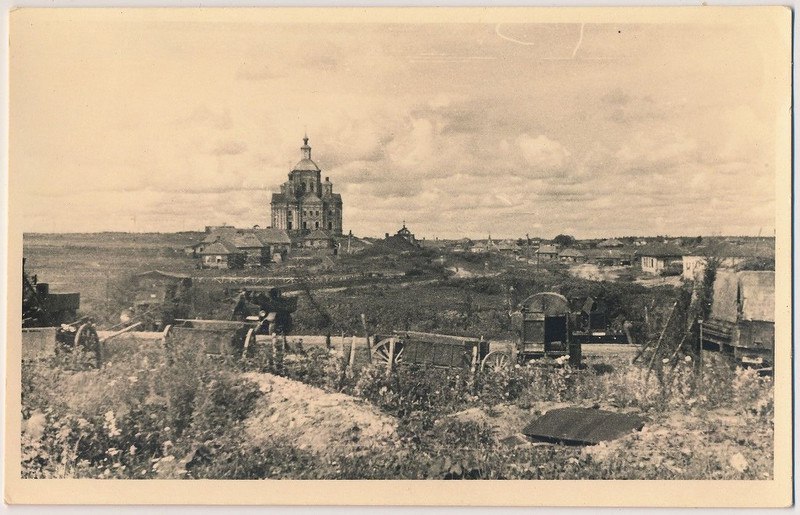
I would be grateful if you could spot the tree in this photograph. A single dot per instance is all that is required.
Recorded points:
(565, 240)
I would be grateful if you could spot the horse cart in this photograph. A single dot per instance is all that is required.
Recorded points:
(254, 314)
(50, 324)
(545, 327)
(438, 351)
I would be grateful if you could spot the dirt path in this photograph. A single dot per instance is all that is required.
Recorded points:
(592, 272)
(317, 420)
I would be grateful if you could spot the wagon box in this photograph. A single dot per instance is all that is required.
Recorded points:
(437, 350)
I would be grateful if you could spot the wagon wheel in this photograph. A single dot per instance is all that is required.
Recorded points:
(249, 343)
(86, 339)
(167, 333)
(495, 361)
(381, 352)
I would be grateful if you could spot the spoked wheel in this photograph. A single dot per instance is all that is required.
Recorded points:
(249, 343)
(382, 351)
(87, 340)
(495, 361)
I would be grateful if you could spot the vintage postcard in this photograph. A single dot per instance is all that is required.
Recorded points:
(363, 255)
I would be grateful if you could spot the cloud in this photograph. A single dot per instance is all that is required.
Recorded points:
(257, 72)
(229, 148)
(543, 154)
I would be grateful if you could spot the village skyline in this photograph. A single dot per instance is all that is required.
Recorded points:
(594, 130)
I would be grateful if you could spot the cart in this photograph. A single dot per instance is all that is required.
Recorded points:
(438, 351)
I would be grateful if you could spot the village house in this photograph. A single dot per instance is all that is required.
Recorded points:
(611, 243)
(661, 259)
(255, 251)
(571, 256)
(220, 253)
(403, 238)
(277, 241)
(727, 255)
(547, 253)
(609, 257)
(317, 239)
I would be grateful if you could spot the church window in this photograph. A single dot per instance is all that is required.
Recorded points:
(316, 225)
(305, 226)
(330, 225)
(289, 225)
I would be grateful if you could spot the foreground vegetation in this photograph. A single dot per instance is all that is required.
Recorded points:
(181, 414)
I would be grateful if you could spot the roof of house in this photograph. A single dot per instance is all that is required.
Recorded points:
(220, 247)
(660, 250)
(271, 235)
(571, 253)
(317, 234)
(729, 250)
(612, 242)
(247, 239)
(547, 249)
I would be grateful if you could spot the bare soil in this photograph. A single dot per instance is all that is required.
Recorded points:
(316, 420)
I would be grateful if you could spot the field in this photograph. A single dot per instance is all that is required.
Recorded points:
(176, 412)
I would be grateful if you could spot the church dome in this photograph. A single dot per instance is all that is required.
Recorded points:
(306, 165)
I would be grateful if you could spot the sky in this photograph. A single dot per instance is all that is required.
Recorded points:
(141, 123)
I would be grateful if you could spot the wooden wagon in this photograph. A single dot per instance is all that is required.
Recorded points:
(544, 327)
(438, 351)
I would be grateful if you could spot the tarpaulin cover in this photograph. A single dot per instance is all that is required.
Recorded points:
(548, 303)
(582, 425)
(726, 289)
(757, 290)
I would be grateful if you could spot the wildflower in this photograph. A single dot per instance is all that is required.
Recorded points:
(132, 450)
(665, 360)
(113, 451)
(687, 359)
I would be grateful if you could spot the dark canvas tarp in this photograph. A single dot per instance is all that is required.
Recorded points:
(582, 425)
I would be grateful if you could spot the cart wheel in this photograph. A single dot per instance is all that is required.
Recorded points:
(166, 333)
(381, 352)
(495, 361)
(249, 343)
(86, 338)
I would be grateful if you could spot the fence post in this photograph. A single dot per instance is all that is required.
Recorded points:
(366, 335)
(274, 353)
(352, 352)
(474, 363)
(390, 365)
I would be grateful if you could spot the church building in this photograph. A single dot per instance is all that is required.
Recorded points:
(305, 203)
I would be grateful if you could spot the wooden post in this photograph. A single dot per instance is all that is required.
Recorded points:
(474, 364)
(390, 365)
(660, 339)
(352, 352)
(328, 341)
(366, 335)
(341, 347)
(273, 354)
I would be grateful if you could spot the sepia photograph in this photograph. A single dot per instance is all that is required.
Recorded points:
(400, 244)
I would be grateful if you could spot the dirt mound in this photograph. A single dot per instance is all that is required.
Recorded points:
(317, 420)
